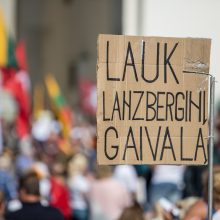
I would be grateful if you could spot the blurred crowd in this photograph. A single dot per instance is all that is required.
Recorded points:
(45, 169)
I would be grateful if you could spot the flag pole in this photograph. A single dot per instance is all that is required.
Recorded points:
(211, 147)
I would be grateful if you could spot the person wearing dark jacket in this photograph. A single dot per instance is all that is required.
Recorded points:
(32, 209)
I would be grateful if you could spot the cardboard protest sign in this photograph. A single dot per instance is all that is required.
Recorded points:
(152, 100)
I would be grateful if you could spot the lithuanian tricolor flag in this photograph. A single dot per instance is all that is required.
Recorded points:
(61, 109)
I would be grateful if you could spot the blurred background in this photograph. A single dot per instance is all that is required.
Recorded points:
(48, 104)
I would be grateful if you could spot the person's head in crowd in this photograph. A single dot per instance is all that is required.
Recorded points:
(5, 162)
(24, 158)
(57, 168)
(103, 172)
(78, 165)
(134, 212)
(2, 204)
(199, 209)
(41, 169)
(29, 188)
(25, 147)
(216, 186)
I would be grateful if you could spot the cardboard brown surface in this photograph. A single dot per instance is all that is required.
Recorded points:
(152, 100)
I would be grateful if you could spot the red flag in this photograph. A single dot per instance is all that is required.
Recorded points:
(12, 84)
(20, 54)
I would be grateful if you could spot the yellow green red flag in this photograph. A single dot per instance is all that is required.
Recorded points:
(62, 110)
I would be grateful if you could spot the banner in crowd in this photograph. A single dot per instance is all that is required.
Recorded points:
(152, 100)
